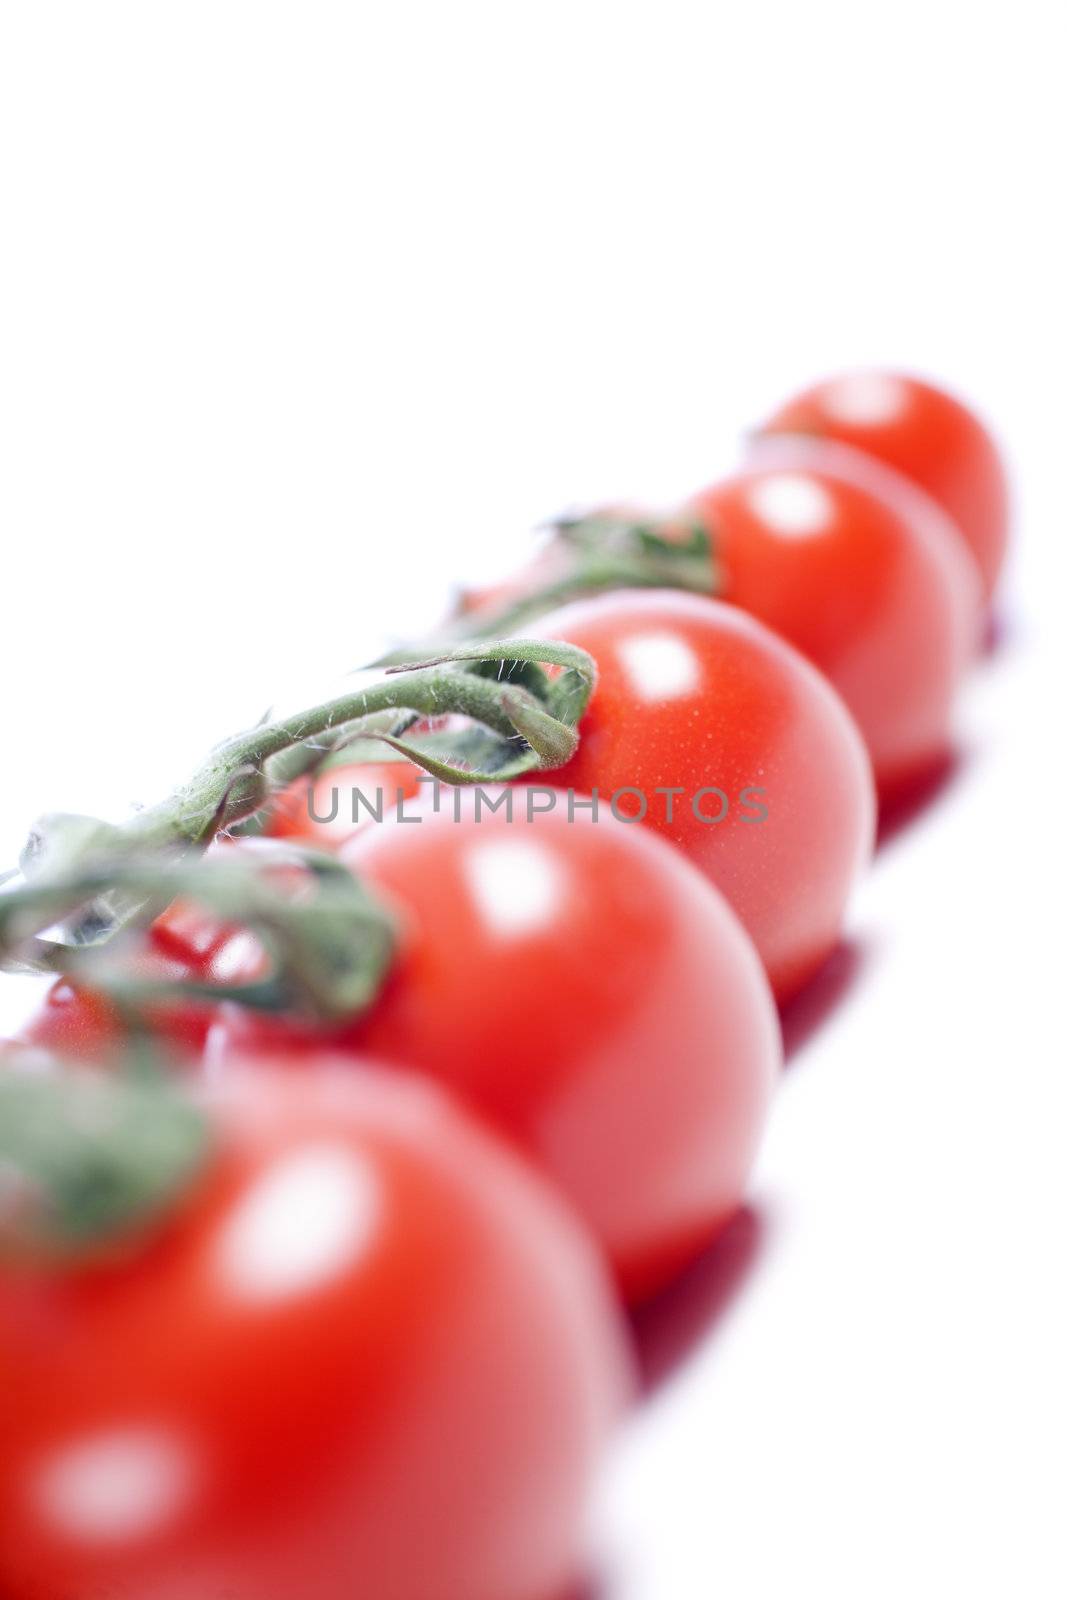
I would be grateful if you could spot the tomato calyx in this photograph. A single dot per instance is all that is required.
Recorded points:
(601, 551)
(542, 709)
(668, 551)
(625, 549)
(327, 940)
(89, 1158)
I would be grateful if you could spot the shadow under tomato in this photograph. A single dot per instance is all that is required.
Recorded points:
(928, 789)
(802, 1016)
(681, 1317)
(590, 1589)
(998, 634)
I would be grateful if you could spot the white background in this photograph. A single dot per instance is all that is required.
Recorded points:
(307, 311)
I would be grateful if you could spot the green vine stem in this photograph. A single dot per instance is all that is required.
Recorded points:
(527, 720)
(89, 1159)
(330, 942)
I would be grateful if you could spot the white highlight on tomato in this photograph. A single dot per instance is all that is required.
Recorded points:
(516, 885)
(115, 1486)
(865, 398)
(659, 666)
(792, 504)
(240, 956)
(305, 1222)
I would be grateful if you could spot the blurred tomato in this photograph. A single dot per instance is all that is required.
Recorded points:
(926, 434)
(81, 1020)
(589, 994)
(328, 808)
(369, 1356)
(871, 585)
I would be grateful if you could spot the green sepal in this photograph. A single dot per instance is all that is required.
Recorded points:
(88, 1159)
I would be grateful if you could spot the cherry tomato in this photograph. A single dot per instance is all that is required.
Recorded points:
(925, 434)
(370, 1355)
(327, 809)
(588, 993)
(873, 587)
(80, 1020)
(770, 787)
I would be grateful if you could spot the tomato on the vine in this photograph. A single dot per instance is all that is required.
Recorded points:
(843, 557)
(922, 432)
(328, 808)
(587, 993)
(78, 1018)
(368, 1354)
(872, 586)
(726, 741)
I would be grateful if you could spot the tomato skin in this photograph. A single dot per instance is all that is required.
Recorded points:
(305, 809)
(584, 991)
(694, 693)
(579, 986)
(403, 1393)
(870, 584)
(80, 1021)
(922, 432)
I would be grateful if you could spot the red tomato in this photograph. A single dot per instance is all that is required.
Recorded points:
(370, 1356)
(873, 587)
(586, 992)
(774, 800)
(924, 433)
(78, 1020)
(327, 809)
